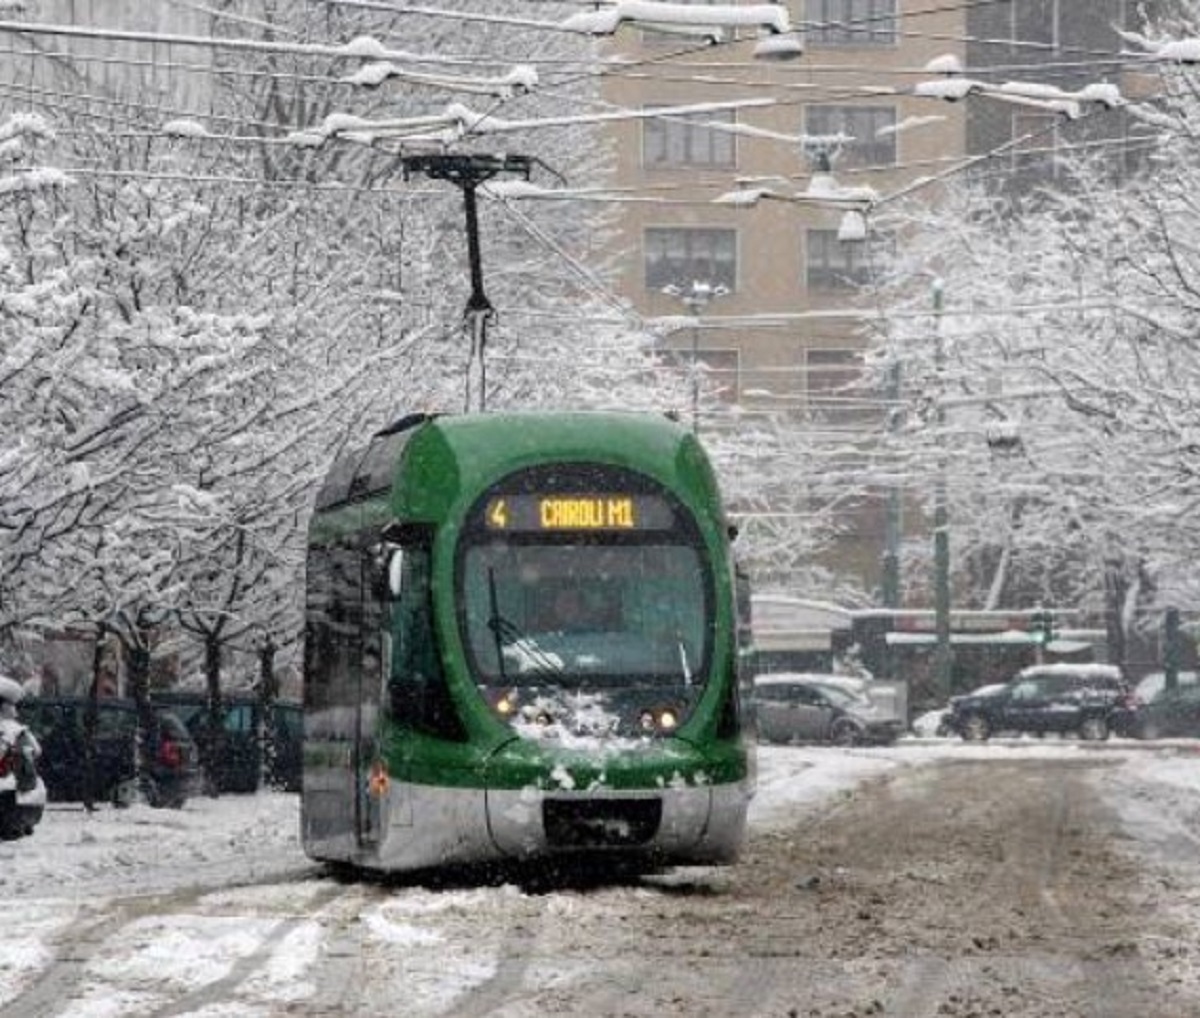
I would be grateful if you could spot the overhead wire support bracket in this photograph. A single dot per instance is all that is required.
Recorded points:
(467, 172)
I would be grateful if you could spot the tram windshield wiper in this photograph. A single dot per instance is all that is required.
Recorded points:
(683, 661)
(513, 642)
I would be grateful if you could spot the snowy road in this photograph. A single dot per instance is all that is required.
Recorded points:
(926, 879)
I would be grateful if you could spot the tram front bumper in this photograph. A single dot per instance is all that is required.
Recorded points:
(673, 824)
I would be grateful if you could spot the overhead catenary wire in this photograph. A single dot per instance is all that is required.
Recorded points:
(1087, 58)
(687, 74)
(322, 49)
(900, 16)
(895, 167)
(614, 194)
(242, 45)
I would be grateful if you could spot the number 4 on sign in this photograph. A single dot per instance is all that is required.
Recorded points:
(498, 514)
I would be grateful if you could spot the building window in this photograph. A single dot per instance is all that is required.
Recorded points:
(1037, 23)
(832, 386)
(680, 256)
(688, 140)
(832, 23)
(1035, 142)
(833, 264)
(860, 126)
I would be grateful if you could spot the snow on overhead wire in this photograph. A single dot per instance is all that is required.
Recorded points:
(649, 13)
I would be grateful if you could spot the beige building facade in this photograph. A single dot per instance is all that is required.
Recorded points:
(776, 258)
(780, 340)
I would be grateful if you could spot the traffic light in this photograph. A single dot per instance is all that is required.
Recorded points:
(1041, 627)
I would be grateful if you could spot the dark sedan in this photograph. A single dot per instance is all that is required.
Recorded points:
(1090, 700)
(254, 744)
(65, 725)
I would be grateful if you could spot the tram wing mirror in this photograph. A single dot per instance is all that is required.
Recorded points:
(388, 572)
(395, 573)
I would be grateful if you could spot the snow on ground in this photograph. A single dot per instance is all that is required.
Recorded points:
(238, 858)
(74, 854)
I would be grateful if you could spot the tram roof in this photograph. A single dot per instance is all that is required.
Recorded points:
(537, 435)
(441, 454)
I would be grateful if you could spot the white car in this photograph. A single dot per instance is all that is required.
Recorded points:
(1153, 683)
(22, 791)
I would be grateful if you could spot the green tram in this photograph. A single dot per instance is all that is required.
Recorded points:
(521, 642)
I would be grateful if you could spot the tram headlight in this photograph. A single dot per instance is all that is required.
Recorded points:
(503, 702)
(658, 719)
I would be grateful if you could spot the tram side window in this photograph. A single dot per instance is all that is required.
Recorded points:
(318, 643)
(334, 643)
(345, 622)
(419, 696)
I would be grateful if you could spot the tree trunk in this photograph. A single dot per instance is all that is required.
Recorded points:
(1115, 586)
(137, 673)
(212, 732)
(91, 717)
(268, 693)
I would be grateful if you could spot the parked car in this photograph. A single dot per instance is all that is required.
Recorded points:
(59, 724)
(171, 769)
(246, 751)
(936, 723)
(170, 763)
(811, 707)
(20, 815)
(1090, 700)
(1151, 684)
(22, 790)
(1170, 713)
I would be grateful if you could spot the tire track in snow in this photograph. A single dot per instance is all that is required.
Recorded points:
(224, 990)
(81, 943)
(78, 948)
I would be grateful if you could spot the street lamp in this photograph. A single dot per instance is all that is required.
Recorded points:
(707, 22)
(696, 298)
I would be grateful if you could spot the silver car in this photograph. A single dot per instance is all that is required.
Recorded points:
(806, 707)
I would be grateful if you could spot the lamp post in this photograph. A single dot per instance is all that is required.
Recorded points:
(891, 544)
(696, 298)
(941, 535)
(1171, 649)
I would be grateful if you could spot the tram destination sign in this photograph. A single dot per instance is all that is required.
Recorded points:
(573, 512)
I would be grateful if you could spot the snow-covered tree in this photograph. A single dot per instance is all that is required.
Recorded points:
(1061, 415)
(215, 309)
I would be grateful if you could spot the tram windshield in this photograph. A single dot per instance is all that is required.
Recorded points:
(579, 615)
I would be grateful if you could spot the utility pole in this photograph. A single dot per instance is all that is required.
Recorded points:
(467, 172)
(891, 548)
(1171, 649)
(941, 523)
(696, 299)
